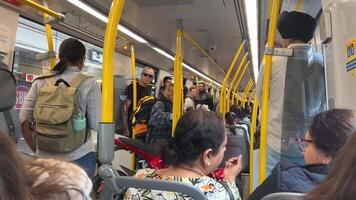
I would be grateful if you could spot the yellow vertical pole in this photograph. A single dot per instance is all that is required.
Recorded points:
(265, 91)
(177, 89)
(233, 81)
(238, 81)
(252, 139)
(134, 96)
(223, 87)
(48, 28)
(108, 61)
(246, 90)
(134, 82)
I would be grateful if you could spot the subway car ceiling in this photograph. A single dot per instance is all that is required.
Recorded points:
(218, 26)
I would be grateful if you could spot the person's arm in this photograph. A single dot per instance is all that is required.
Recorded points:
(93, 109)
(26, 114)
(124, 110)
(27, 134)
(233, 167)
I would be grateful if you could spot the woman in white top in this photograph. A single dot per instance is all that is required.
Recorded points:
(71, 62)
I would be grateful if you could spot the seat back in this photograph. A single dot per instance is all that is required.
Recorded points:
(238, 144)
(284, 196)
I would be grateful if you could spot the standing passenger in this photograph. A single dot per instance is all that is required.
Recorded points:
(88, 98)
(160, 122)
(143, 90)
(297, 88)
(189, 100)
(203, 97)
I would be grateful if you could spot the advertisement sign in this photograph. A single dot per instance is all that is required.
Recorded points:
(21, 93)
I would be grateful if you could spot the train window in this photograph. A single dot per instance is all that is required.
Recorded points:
(31, 40)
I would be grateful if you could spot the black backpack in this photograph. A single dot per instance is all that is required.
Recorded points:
(141, 115)
(9, 119)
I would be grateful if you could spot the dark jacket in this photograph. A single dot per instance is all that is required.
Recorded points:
(160, 123)
(288, 177)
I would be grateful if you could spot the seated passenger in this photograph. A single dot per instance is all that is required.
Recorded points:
(55, 179)
(327, 133)
(12, 171)
(160, 122)
(196, 151)
(231, 120)
(340, 182)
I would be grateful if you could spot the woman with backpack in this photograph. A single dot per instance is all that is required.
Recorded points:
(160, 122)
(61, 108)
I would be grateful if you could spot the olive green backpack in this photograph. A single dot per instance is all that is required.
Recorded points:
(60, 126)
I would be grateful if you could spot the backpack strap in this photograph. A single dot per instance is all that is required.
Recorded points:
(10, 125)
(78, 79)
(228, 190)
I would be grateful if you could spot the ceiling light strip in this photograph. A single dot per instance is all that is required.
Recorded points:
(138, 38)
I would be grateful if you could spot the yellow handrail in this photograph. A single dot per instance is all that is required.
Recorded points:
(252, 139)
(48, 27)
(238, 82)
(223, 87)
(134, 96)
(265, 91)
(233, 81)
(194, 43)
(250, 97)
(108, 61)
(246, 90)
(42, 8)
(177, 87)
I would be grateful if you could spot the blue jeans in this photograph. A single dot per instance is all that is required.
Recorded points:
(88, 163)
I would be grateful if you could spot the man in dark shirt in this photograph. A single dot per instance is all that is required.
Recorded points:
(203, 97)
(143, 90)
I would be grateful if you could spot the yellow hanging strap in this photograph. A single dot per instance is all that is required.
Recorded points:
(227, 75)
(252, 139)
(265, 91)
(238, 82)
(178, 82)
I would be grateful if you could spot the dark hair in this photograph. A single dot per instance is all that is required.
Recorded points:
(230, 118)
(71, 51)
(166, 78)
(296, 25)
(330, 130)
(195, 132)
(13, 179)
(340, 182)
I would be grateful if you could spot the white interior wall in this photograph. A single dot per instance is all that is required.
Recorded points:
(8, 26)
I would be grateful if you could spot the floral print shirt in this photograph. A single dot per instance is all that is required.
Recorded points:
(212, 189)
